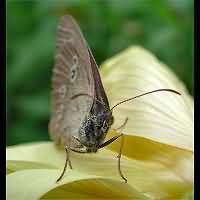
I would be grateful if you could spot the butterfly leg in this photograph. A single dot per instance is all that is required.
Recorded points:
(120, 152)
(66, 162)
(119, 158)
(68, 150)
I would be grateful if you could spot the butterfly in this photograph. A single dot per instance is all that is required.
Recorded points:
(81, 115)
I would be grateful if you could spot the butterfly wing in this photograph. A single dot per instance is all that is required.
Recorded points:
(100, 106)
(99, 91)
(72, 83)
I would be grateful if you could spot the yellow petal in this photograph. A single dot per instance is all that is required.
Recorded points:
(174, 159)
(35, 184)
(152, 179)
(188, 196)
(164, 117)
(16, 165)
(42, 152)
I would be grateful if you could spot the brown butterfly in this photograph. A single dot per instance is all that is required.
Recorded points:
(81, 115)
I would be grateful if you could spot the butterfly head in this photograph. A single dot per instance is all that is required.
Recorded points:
(93, 130)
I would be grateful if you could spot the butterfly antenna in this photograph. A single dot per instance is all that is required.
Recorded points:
(167, 90)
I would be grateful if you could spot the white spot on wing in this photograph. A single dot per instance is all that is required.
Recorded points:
(62, 91)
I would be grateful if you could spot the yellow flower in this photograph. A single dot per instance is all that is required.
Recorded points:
(158, 148)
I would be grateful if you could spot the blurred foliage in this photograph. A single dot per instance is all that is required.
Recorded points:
(165, 27)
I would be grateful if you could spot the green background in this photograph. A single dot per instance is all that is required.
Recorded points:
(164, 27)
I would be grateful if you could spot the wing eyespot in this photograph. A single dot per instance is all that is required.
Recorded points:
(73, 69)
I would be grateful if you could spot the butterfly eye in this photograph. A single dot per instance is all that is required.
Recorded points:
(104, 124)
(104, 127)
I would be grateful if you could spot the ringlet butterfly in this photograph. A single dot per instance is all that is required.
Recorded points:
(81, 115)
